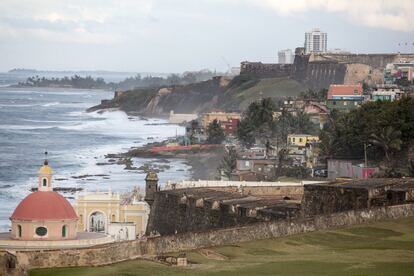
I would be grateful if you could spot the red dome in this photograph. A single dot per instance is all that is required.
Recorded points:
(44, 206)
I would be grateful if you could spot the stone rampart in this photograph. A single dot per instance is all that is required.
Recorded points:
(121, 251)
(320, 70)
(222, 183)
(265, 70)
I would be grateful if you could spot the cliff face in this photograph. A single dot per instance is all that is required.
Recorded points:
(217, 93)
(187, 99)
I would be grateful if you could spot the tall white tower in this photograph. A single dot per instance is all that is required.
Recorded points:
(316, 41)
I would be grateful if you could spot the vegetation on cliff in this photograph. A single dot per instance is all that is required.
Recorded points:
(245, 89)
(216, 93)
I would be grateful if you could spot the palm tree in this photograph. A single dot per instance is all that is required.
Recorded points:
(389, 140)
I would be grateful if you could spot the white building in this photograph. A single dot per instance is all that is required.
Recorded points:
(387, 94)
(316, 41)
(285, 56)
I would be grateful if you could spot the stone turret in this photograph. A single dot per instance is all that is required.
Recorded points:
(151, 187)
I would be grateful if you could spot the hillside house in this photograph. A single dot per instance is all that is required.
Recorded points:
(344, 97)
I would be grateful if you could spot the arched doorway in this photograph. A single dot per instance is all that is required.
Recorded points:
(97, 222)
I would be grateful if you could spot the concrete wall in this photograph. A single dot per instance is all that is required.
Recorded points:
(117, 252)
(181, 118)
(346, 168)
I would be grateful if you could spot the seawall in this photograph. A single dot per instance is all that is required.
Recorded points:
(121, 251)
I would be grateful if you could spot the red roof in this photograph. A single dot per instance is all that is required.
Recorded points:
(344, 90)
(44, 206)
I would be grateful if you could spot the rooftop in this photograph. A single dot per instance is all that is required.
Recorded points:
(344, 90)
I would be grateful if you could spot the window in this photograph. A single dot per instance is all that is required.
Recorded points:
(19, 231)
(293, 140)
(300, 140)
(64, 230)
(345, 103)
(41, 231)
(113, 218)
(44, 182)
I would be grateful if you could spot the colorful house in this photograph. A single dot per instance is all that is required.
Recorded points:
(344, 97)
(345, 92)
(219, 116)
(300, 140)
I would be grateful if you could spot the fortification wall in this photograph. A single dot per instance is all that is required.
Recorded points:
(358, 73)
(265, 70)
(320, 70)
(178, 211)
(8, 264)
(117, 252)
(170, 215)
(222, 184)
(376, 61)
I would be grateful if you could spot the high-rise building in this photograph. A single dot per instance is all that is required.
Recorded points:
(316, 41)
(285, 56)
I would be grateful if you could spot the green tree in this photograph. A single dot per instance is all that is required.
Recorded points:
(257, 122)
(245, 133)
(193, 129)
(215, 133)
(389, 140)
(228, 163)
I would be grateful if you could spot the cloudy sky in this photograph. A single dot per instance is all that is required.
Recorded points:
(180, 35)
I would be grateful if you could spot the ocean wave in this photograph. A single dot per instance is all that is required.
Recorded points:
(17, 105)
(50, 104)
(117, 123)
(47, 121)
(24, 127)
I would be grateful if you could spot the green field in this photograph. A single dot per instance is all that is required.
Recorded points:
(385, 248)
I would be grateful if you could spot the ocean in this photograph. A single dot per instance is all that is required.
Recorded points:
(38, 119)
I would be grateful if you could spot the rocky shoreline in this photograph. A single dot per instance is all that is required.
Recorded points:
(203, 162)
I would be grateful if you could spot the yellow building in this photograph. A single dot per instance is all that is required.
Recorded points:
(219, 116)
(96, 211)
(300, 140)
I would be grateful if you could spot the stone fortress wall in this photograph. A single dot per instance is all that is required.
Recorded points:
(121, 251)
(322, 69)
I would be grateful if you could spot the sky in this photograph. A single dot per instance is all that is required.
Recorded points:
(184, 35)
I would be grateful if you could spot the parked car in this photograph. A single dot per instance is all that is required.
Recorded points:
(320, 173)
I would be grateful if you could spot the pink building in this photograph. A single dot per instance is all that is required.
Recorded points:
(44, 214)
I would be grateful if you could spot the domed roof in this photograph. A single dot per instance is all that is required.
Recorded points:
(45, 169)
(44, 206)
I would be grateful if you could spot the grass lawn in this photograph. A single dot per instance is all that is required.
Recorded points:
(384, 248)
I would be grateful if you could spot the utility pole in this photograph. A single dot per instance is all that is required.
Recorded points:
(365, 153)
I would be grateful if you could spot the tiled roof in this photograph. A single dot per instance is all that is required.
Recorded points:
(344, 90)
